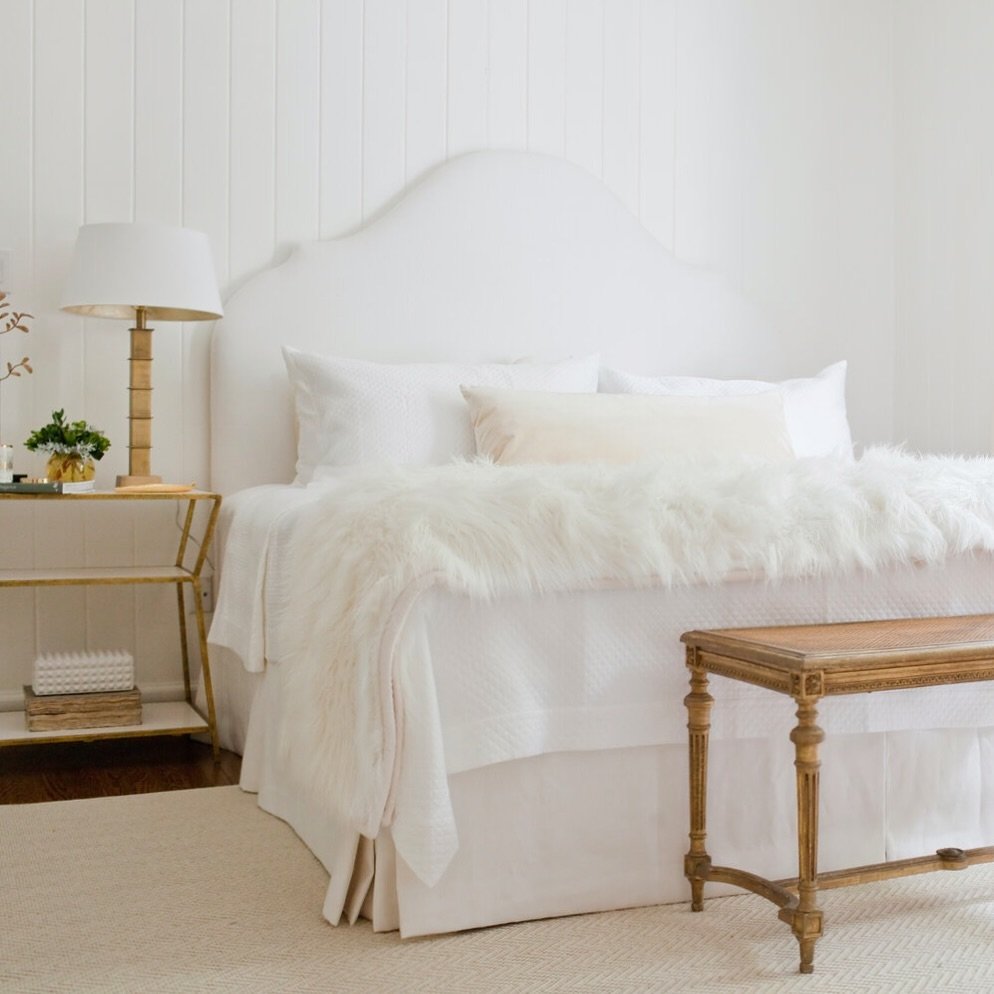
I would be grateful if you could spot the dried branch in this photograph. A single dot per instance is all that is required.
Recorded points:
(14, 368)
(11, 320)
(14, 322)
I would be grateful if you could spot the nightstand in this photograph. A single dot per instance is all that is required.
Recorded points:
(158, 718)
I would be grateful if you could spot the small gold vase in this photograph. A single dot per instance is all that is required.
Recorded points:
(69, 467)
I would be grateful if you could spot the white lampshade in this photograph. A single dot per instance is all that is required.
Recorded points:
(117, 268)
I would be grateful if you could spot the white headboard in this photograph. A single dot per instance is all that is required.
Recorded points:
(493, 255)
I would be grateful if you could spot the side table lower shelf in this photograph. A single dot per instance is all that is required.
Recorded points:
(158, 718)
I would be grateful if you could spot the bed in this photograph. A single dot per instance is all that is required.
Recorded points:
(529, 741)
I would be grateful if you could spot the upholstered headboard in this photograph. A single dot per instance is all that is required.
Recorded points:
(493, 255)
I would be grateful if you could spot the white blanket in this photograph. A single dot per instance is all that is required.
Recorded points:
(251, 534)
(382, 538)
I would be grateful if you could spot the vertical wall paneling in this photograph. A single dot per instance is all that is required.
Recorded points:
(158, 71)
(16, 174)
(507, 107)
(61, 618)
(16, 165)
(718, 101)
(924, 90)
(341, 116)
(793, 102)
(108, 195)
(206, 150)
(945, 213)
(547, 76)
(703, 49)
(960, 213)
(585, 84)
(252, 163)
(657, 116)
(384, 74)
(158, 196)
(298, 93)
(156, 641)
(468, 88)
(17, 546)
(921, 94)
(57, 200)
(108, 111)
(621, 100)
(112, 610)
(862, 155)
(17, 606)
(426, 85)
(57, 338)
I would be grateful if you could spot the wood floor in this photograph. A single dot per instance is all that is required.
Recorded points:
(70, 770)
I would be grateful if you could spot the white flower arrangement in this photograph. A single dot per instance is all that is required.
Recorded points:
(68, 438)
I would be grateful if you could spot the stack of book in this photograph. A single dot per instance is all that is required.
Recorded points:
(53, 712)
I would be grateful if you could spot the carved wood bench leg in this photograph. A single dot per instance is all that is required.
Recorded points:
(806, 920)
(697, 863)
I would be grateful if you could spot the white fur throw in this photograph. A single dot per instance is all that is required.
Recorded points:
(486, 531)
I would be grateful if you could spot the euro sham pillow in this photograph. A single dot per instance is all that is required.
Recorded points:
(815, 407)
(351, 411)
(517, 427)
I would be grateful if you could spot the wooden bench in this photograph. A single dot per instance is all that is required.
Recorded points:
(808, 662)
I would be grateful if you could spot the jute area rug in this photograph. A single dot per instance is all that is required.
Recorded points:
(200, 891)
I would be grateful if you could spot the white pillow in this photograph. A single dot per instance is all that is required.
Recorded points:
(514, 427)
(350, 411)
(815, 407)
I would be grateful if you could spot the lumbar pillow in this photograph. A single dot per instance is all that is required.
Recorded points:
(350, 411)
(514, 427)
(815, 408)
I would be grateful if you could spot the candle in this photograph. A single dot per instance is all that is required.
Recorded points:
(6, 463)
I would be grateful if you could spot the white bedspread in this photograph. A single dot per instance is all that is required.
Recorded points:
(531, 705)
(255, 574)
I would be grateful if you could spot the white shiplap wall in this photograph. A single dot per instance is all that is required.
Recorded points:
(945, 245)
(754, 136)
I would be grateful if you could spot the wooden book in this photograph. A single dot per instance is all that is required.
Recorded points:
(51, 712)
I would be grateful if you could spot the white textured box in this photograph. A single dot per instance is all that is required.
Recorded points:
(83, 672)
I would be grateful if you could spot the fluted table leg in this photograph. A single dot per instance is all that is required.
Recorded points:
(806, 919)
(697, 863)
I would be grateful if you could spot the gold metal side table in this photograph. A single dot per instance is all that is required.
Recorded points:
(808, 662)
(158, 718)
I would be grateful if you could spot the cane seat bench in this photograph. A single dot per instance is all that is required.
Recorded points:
(807, 663)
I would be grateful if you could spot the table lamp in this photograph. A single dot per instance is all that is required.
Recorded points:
(141, 271)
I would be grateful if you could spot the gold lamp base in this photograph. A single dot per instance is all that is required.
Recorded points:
(140, 406)
(137, 481)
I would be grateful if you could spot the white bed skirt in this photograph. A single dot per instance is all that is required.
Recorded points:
(574, 832)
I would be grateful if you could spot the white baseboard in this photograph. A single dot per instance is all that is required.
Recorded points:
(13, 700)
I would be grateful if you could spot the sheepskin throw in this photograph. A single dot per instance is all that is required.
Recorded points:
(379, 537)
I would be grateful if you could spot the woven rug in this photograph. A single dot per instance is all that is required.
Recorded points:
(200, 891)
